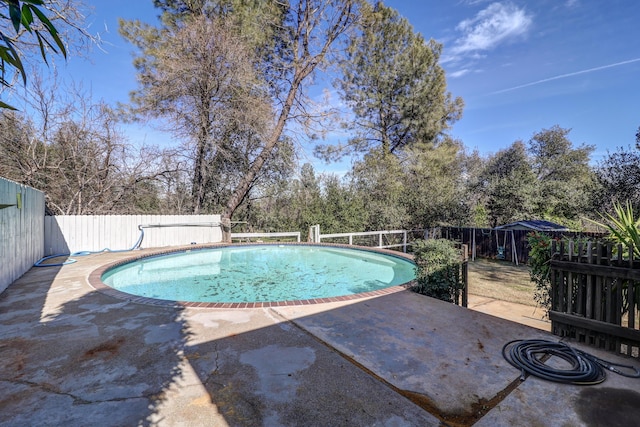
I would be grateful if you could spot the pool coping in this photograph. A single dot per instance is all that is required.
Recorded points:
(95, 279)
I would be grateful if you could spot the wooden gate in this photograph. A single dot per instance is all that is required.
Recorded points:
(595, 295)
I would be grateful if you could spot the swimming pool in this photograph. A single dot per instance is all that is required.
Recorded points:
(259, 274)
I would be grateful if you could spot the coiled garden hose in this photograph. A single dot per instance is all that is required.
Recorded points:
(530, 355)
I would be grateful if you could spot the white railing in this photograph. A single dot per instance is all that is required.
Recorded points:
(316, 237)
(251, 236)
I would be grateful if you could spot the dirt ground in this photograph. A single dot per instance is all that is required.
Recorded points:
(501, 280)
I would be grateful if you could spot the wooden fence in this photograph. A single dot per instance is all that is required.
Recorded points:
(510, 245)
(21, 229)
(65, 234)
(595, 295)
(461, 297)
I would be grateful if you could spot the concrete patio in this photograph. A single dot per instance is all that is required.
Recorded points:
(73, 356)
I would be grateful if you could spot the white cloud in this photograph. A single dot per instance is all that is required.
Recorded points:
(474, 2)
(496, 24)
(459, 73)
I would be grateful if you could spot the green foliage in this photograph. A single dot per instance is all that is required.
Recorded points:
(564, 176)
(472, 186)
(379, 182)
(618, 176)
(343, 210)
(435, 193)
(624, 227)
(220, 108)
(23, 14)
(480, 217)
(229, 75)
(539, 266)
(438, 269)
(297, 204)
(510, 186)
(548, 179)
(393, 83)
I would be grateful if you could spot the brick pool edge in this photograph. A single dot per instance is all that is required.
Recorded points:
(95, 279)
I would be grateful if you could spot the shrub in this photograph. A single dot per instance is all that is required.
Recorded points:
(624, 227)
(437, 269)
(539, 265)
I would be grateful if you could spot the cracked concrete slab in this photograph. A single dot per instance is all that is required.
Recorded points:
(74, 356)
(446, 356)
(264, 371)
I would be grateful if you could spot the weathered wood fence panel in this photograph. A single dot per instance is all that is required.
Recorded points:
(462, 297)
(595, 295)
(485, 242)
(75, 233)
(510, 245)
(21, 230)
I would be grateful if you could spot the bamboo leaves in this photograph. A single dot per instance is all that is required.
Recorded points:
(623, 226)
(22, 14)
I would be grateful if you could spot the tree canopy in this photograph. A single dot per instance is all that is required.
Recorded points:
(563, 172)
(618, 176)
(257, 77)
(393, 83)
(231, 80)
(510, 185)
(198, 75)
(71, 148)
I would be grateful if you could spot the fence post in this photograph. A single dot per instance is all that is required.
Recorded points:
(465, 276)
(473, 246)
(316, 233)
(555, 294)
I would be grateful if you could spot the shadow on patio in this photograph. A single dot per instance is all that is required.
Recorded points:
(74, 356)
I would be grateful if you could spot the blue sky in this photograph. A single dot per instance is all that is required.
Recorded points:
(524, 66)
(520, 66)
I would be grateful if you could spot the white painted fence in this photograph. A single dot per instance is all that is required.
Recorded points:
(316, 237)
(76, 233)
(21, 230)
(258, 236)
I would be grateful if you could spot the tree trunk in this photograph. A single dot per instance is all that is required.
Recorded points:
(197, 190)
(200, 170)
(303, 65)
(243, 187)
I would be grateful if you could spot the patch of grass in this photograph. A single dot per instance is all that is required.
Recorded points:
(501, 280)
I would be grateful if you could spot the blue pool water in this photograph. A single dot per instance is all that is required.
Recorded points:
(260, 273)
